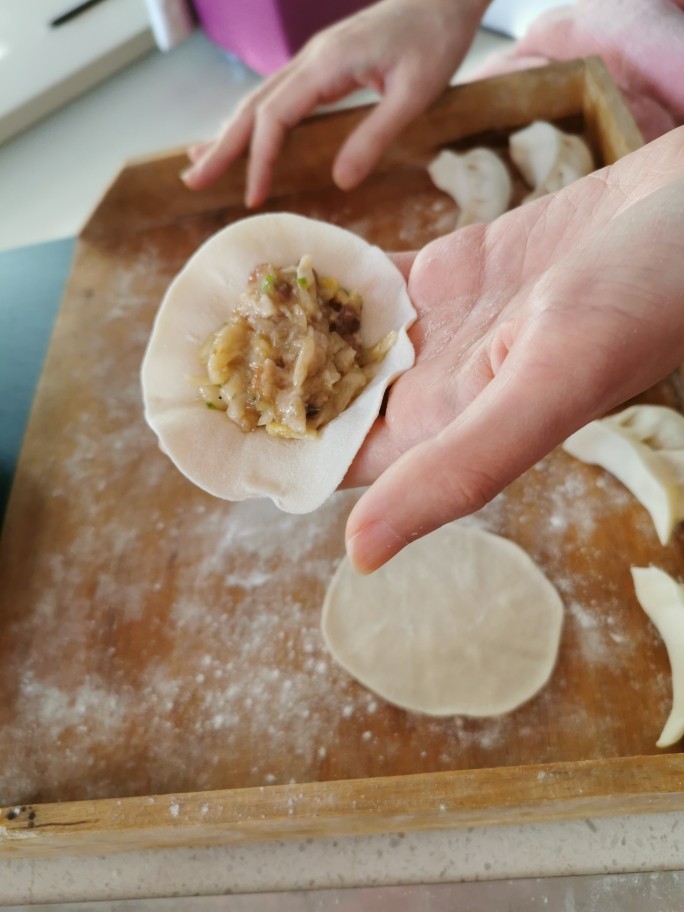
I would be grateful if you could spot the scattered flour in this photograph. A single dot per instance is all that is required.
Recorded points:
(196, 662)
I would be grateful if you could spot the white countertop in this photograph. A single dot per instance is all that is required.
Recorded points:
(591, 846)
(52, 175)
(50, 178)
(43, 65)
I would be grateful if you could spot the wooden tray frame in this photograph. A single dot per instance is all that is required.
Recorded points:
(428, 801)
(147, 193)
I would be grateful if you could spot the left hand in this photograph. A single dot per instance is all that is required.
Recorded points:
(527, 329)
(406, 50)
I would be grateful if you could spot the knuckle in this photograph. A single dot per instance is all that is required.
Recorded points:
(467, 489)
(247, 107)
(326, 40)
(267, 131)
(315, 45)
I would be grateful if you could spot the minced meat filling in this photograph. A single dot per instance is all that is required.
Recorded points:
(290, 358)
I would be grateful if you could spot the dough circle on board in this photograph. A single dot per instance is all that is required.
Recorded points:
(207, 447)
(461, 622)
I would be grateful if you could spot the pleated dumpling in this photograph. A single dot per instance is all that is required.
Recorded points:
(549, 159)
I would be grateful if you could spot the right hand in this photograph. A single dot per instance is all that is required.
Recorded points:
(407, 50)
(527, 329)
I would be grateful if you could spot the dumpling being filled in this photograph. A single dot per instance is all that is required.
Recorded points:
(290, 357)
(270, 355)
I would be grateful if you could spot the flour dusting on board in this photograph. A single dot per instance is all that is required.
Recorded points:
(234, 667)
(262, 672)
(576, 507)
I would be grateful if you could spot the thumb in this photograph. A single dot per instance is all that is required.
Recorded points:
(511, 424)
(403, 260)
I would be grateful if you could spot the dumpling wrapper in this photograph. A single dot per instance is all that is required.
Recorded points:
(207, 447)
(459, 622)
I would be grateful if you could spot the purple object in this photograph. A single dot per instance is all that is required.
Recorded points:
(265, 34)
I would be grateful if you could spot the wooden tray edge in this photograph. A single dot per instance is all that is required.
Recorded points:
(609, 121)
(428, 801)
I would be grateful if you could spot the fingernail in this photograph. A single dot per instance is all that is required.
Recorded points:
(253, 200)
(372, 546)
(188, 173)
(346, 180)
(348, 176)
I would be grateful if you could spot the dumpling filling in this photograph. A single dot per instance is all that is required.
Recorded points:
(290, 358)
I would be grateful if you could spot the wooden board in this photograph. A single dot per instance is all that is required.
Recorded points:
(157, 642)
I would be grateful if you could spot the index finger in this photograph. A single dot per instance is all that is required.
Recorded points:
(211, 159)
(296, 96)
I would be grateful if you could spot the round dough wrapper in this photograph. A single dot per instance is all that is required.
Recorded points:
(461, 622)
(207, 447)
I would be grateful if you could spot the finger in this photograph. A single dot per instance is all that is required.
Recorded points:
(424, 401)
(379, 450)
(501, 434)
(217, 156)
(293, 99)
(427, 397)
(363, 148)
(198, 150)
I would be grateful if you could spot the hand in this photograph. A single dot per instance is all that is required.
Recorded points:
(527, 329)
(640, 41)
(407, 50)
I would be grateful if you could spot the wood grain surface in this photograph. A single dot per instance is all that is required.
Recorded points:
(155, 641)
